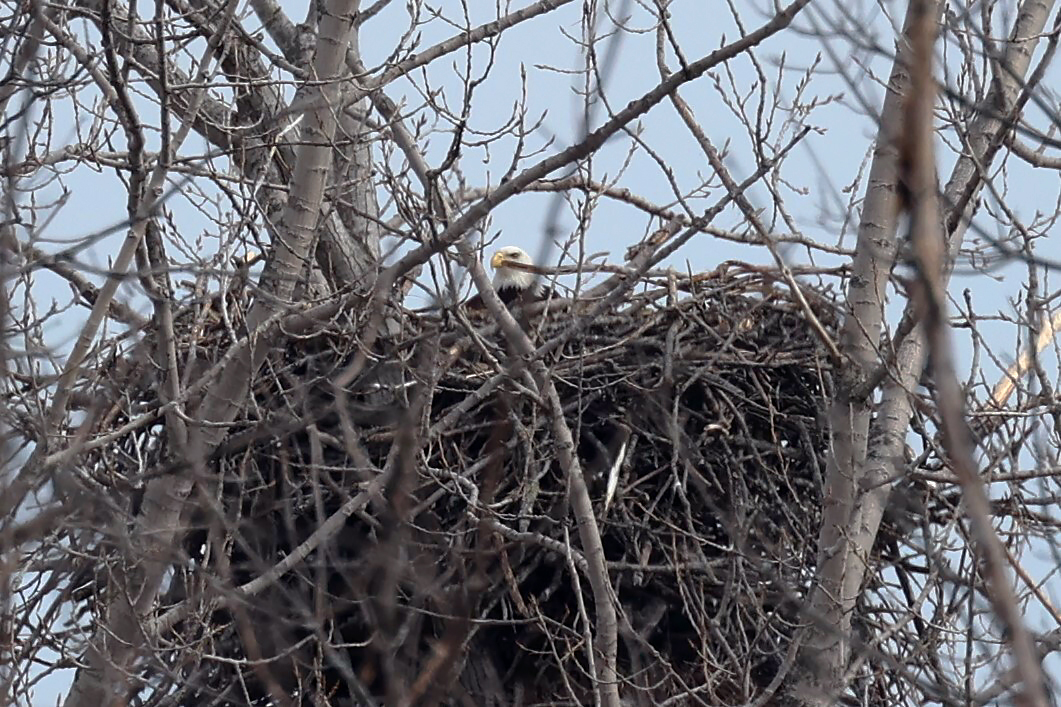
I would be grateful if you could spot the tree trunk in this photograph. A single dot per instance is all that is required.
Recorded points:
(110, 670)
(866, 458)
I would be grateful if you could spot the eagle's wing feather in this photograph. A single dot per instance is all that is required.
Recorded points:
(508, 296)
(475, 303)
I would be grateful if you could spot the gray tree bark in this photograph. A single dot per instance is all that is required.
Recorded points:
(109, 669)
(826, 646)
(865, 456)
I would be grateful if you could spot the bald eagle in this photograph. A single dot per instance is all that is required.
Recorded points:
(514, 285)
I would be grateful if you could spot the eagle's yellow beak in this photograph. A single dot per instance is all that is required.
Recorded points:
(497, 261)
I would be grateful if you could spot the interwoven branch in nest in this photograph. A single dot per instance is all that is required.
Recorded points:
(425, 522)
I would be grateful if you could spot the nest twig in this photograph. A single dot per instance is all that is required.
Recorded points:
(414, 537)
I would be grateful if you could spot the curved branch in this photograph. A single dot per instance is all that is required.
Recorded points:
(111, 657)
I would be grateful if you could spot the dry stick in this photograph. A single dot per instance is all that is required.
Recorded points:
(751, 214)
(588, 626)
(1032, 157)
(226, 402)
(669, 275)
(1048, 643)
(1033, 587)
(1002, 390)
(607, 642)
(477, 211)
(849, 416)
(606, 625)
(1005, 387)
(163, 501)
(35, 257)
(354, 90)
(918, 164)
(625, 196)
(849, 528)
(30, 472)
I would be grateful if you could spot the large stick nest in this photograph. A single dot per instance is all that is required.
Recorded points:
(457, 574)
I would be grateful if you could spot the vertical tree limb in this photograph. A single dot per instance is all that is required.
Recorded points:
(929, 247)
(606, 641)
(860, 478)
(850, 417)
(103, 680)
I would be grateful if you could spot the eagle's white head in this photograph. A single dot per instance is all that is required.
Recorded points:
(506, 277)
